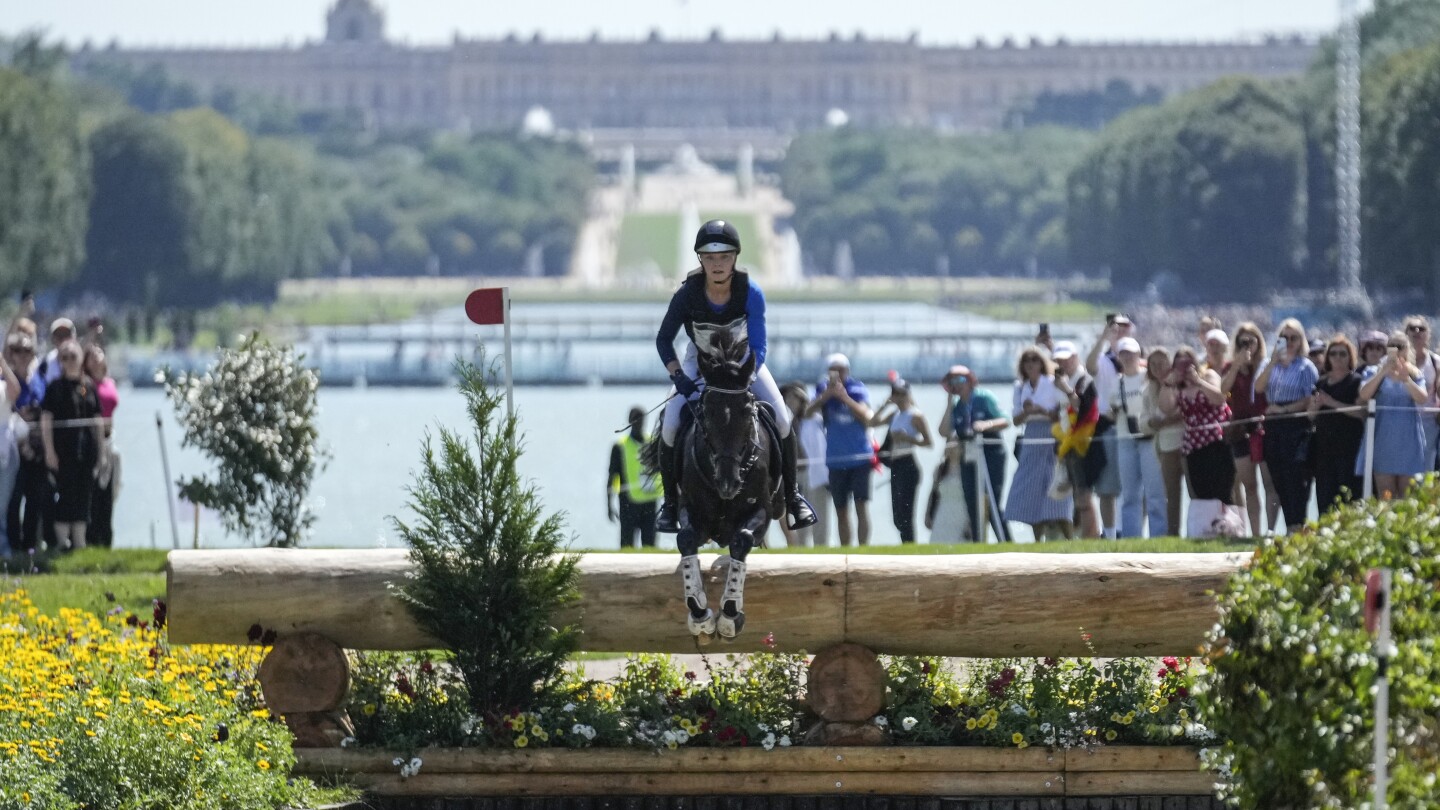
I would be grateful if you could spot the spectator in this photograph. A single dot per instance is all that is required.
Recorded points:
(73, 446)
(1086, 462)
(1398, 388)
(1417, 329)
(61, 331)
(946, 510)
(1142, 488)
(907, 431)
(1287, 381)
(1372, 349)
(10, 390)
(972, 412)
(107, 479)
(1197, 397)
(1104, 368)
(1217, 351)
(1207, 324)
(1338, 432)
(1037, 406)
(1169, 432)
(1246, 432)
(635, 491)
(814, 477)
(33, 525)
(844, 406)
(1317, 353)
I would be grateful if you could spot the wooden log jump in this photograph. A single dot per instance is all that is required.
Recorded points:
(961, 605)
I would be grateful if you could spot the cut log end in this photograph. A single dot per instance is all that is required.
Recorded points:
(304, 672)
(846, 684)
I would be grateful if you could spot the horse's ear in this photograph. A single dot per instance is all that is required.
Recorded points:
(747, 369)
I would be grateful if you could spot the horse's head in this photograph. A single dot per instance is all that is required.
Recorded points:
(732, 365)
(727, 417)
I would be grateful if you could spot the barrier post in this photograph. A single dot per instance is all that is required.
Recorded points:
(1369, 485)
(1377, 621)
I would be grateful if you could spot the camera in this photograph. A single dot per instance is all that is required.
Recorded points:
(1132, 424)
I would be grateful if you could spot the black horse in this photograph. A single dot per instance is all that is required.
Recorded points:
(730, 485)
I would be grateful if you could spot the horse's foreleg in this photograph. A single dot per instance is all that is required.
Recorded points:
(700, 619)
(732, 602)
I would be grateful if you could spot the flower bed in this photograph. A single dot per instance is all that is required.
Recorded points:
(102, 713)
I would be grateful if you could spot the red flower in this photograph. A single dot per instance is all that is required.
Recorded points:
(1085, 636)
(1171, 663)
(1050, 662)
(132, 620)
(689, 676)
(402, 685)
(1182, 692)
(254, 633)
(925, 667)
(159, 613)
(768, 640)
(426, 667)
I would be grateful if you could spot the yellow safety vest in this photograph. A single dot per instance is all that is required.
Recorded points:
(638, 486)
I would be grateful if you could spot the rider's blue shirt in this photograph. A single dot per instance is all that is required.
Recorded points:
(681, 315)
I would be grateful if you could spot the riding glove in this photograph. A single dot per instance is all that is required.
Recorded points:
(683, 384)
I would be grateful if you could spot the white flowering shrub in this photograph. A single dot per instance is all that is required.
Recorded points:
(253, 413)
(1290, 689)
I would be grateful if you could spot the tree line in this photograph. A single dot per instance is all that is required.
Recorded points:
(1226, 192)
(174, 204)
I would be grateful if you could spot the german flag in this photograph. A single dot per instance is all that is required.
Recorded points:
(1074, 433)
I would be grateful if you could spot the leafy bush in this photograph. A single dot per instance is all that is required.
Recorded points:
(489, 573)
(1291, 685)
(102, 713)
(253, 413)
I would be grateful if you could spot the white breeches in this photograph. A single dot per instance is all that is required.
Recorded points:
(763, 387)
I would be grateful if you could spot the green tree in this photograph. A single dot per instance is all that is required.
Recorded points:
(44, 180)
(253, 413)
(490, 576)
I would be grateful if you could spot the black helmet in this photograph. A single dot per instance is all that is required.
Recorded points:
(717, 236)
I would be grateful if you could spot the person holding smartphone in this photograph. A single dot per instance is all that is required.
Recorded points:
(1246, 433)
(843, 404)
(1288, 383)
(973, 413)
(1196, 396)
(1398, 389)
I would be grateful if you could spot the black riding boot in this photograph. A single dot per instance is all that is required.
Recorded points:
(667, 519)
(801, 515)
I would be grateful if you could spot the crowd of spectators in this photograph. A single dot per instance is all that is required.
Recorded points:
(58, 474)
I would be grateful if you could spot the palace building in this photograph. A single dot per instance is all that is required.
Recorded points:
(769, 85)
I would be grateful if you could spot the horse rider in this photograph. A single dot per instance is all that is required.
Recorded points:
(716, 302)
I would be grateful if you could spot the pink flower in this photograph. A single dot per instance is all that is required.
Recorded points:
(769, 640)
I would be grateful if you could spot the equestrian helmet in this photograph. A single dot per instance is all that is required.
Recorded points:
(717, 236)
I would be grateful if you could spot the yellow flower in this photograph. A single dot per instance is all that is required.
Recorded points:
(1017, 738)
(263, 764)
(522, 741)
(970, 724)
(1111, 735)
(1023, 744)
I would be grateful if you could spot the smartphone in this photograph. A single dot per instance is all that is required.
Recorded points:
(834, 376)
(1182, 366)
(1045, 329)
(1393, 351)
(1110, 317)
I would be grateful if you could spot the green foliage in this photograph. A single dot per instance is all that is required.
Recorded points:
(1292, 668)
(907, 200)
(1209, 187)
(1084, 109)
(253, 413)
(406, 702)
(44, 177)
(490, 576)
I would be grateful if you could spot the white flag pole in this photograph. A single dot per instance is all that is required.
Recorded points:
(1380, 602)
(509, 365)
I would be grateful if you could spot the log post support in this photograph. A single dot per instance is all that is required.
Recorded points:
(846, 689)
(305, 679)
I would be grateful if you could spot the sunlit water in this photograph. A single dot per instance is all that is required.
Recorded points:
(375, 435)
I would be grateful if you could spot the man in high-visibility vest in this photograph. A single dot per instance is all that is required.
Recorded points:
(638, 490)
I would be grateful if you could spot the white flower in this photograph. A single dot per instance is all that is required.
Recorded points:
(347, 742)
(568, 707)
(415, 765)
(769, 741)
(881, 721)
(785, 741)
(908, 723)
(682, 736)
(578, 730)
(397, 762)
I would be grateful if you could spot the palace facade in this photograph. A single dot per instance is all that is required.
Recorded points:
(774, 85)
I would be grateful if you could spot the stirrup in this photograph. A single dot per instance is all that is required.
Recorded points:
(666, 520)
(801, 513)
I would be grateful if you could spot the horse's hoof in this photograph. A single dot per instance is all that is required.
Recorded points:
(730, 626)
(703, 626)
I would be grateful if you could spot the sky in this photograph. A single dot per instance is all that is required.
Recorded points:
(274, 22)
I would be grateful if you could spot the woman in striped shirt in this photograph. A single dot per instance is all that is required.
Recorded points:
(1288, 382)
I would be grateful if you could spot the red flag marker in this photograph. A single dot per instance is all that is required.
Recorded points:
(486, 306)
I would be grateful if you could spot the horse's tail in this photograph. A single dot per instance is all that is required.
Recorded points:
(650, 456)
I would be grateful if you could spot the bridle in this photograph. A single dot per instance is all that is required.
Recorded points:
(746, 460)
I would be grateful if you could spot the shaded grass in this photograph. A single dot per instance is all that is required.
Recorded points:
(97, 593)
